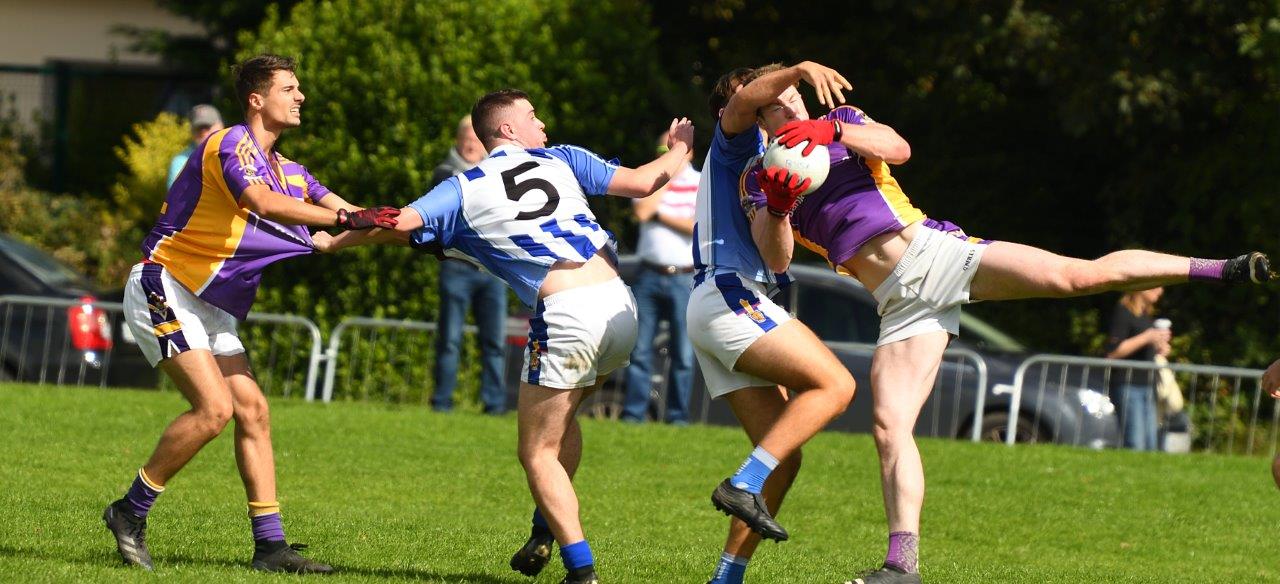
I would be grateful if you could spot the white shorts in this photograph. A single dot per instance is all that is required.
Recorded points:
(167, 319)
(579, 335)
(726, 314)
(928, 286)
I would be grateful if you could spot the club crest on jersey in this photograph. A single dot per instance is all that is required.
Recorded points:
(751, 311)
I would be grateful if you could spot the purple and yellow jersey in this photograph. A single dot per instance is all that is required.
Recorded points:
(859, 200)
(207, 241)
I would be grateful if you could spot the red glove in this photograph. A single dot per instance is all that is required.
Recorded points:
(381, 216)
(781, 189)
(815, 131)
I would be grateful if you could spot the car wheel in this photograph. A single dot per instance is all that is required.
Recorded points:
(605, 404)
(995, 428)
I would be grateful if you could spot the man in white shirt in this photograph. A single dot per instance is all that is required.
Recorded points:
(661, 288)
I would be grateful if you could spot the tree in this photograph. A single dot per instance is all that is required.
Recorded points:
(1079, 127)
(386, 82)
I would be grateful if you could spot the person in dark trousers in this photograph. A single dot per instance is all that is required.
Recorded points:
(662, 292)
(1133, 335)
(463, 285)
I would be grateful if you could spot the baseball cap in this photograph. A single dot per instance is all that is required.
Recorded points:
(205, 116)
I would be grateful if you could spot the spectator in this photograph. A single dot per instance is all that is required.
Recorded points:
(1133, 336)
(205, 120)
(662, 290)
(463, 284)
(1271, 384)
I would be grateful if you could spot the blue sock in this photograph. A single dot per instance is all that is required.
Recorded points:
(730, 570)
(576, 555)
(540, 526)
(752, 474)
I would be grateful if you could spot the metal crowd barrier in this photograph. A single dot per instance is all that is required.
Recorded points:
(1225, 406)
(391, 359)
(38, 344)
(959, 393)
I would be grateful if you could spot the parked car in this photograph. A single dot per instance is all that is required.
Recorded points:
(73, 342)
(843, 314)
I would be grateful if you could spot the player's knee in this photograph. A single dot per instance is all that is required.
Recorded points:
(890, 431)
(841, 388)
(214, 417)
(1079, 278)
(254, 415)
(534, 454)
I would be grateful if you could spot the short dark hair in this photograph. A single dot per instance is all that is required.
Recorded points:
(254, 75)
(724, 89)
(484, 115)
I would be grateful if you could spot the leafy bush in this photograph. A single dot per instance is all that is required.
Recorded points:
(140, 190)
(386, 82)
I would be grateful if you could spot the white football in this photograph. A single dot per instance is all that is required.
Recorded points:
(815, 166)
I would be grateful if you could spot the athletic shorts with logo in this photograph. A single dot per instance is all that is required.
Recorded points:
(726, 314)
(167, 319)
(579, 335)
(928, 286)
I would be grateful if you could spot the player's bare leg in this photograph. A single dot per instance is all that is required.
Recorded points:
(757, 409)
(254, 456)
(548, 432)
(822, 390)
(1011, 271)
(198, 379)
(256, 462)
(902, 376)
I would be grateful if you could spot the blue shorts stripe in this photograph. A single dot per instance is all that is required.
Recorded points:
(743, 301)
(538, 339)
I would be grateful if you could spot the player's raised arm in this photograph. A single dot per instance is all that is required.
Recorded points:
(647, 179)
(740, 113)
(851, 128)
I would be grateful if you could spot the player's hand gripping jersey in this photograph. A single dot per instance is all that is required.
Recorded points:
(859, 201)
(209, 243)
(518, 212)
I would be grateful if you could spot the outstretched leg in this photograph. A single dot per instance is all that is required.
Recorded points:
(196, 375)
(1010, 271)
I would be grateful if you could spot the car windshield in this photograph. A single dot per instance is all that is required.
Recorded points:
(45, 267)
(977, 332)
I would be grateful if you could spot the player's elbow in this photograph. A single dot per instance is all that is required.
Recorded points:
(898, 153)
(778, 263)
(259, 205)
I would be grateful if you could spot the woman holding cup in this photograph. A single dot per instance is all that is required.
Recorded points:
(1135, 335)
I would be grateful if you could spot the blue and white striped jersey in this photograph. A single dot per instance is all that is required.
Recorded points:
(519, 212)
(722, 242)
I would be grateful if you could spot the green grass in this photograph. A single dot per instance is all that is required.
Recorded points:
(399, 493)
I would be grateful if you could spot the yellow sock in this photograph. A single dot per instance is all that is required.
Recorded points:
(260, 508)
(157, 487)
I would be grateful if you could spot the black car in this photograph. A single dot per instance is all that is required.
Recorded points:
(56, 327)
(843, 314)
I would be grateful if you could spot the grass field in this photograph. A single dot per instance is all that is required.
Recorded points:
(386, 494)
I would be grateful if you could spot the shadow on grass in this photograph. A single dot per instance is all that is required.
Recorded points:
(109, 558)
